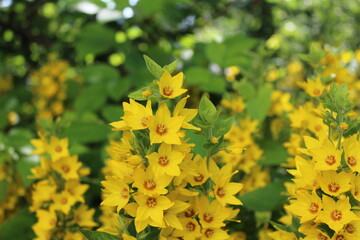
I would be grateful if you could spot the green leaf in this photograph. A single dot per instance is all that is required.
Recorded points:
(259, 105)
(172, 66)
(199, 140)
(100, 74)
(272, 194)
(197, 76)
(245, 88)
(94, 38)
(274, 153)
(23, 167)
(119, 89)
(4, 185)
(19, 137)
(214, 85)
(154, 68)
(18, 226)
(93, 235)
(91, 99)
(216, 52)
(207, 110)
(87, 132)
(112, 113)
(223, 125)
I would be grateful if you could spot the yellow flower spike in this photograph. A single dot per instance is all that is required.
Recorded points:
(58, 148)
(164, 128)
(151, 210)
(336, 214)
(47, 219)
(76, 189)
(313, 88)
(166, 160)
(41, 145)
(73, 236)
(334, 183)
(170, 87)
(118, 194)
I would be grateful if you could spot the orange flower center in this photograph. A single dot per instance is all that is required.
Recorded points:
(149, 184)
(161, 129)
(63, 200)
(352, 161)
(318, 127)
(151, 202)
(65, 168)
(125, 193)
(190, 226)
(209, 233)
(330, 160)
(189, 213)
(163, 161)
(313, 208)
(336, 215)
(52, 222)
(199, 178)
(321, 236)
(316, 92)
(340, 237)
(58, 149)
(220, 192)
(168, 91)
(208, 217)
(333, 187)
(144, 121)
(350, 228)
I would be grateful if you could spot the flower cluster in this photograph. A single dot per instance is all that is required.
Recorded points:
(57, 196)
(153, 178)
(49, 88)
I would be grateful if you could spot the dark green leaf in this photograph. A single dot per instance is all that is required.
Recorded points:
(87, 132)
(259, 105)
(274, 153)
(18, 226)
(91, 98)
(23, 167)
(93, 235)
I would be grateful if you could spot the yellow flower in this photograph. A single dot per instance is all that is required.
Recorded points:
(307, 206)
(83, 216)
(352, 153)
(191, 229)
(336, 214)
(164, 128)
(313, 88)
(76, 189)
(40, 144)
(150, 184)
(68, 167)
(165, 161)
(58, 148)
(170, 87)
(231, 73)
(63, 202)
(187, 113)
(212, 215)
(150, 208)
(117, 194)
(334, 183)
(73, 236)
(214, 233)
(170, 215)
(305, 175)
(136, 116)
(355, 189)
(46, 219)
(327, 157)
(200, 172)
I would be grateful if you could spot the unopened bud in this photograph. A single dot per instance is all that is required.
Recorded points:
(343, 126)
(146, 93)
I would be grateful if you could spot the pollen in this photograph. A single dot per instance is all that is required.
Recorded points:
(336, 215)
(333, 187)
(144, 121)
(163, 161)
(151, 202)
(167, 91)
(161, 129)
(316, 92)
(313, 208)
(190, 226)
(149, 184)
(321, 236)
(330, 160)
(351, 160)
(220, 192)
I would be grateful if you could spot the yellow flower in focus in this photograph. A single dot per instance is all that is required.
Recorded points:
(73, 236)
(117, 194)
(200, 172)
(336, 214)
(150, 184)
(214, 234)
(151, 209)
(307, 206)
(170, 87)
(334, 183)
(164, 128)
(211, 214)
(166, 160)
(58, 148)
(352, 153)
(170, 215)
(191, 229)
(327, 157)
(189, 114)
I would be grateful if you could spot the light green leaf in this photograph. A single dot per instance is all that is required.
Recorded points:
(23, 167)
(274, 153)
(153, 67)
(172, 66)
(259, 105)
(87, 132)
(91, 98)
(207, 110)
